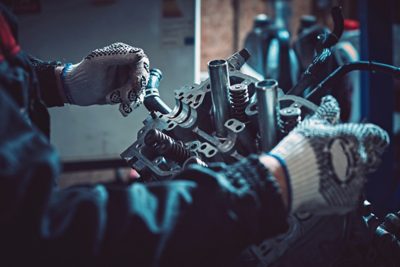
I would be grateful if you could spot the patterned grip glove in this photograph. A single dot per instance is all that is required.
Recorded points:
(115, 74)
(326, 162)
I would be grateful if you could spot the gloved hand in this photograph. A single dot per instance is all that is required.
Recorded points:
(117, 73)
(326, 162)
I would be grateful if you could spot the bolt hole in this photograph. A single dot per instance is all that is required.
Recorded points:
(230, 123)
(239, 127)
(181, 94)
(189, 96)
(203, 147)
(267, 83)
(198, 97)
(193, 146)
(170, 125)
(211, 152)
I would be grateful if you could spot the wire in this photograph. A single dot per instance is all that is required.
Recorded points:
(338, 73)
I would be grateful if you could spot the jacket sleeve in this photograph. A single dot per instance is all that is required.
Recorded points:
(204, 217)
(47, 81)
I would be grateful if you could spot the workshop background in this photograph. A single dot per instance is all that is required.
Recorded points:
(180, 37)
(228, 22)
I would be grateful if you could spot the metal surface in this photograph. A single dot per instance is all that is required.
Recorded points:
(289, 118)
(166, 146)
(152, 100)
(219, 80)
(268, 106)
(239, 98)
(237, 60)
(190, 126)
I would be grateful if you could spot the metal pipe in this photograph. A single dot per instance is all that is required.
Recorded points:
(219, 81)
(152, 100)
(268, 107)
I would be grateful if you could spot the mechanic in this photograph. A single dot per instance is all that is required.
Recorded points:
(204, 217)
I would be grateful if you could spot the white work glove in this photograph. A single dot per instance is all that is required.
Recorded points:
(115, 74)
(327, 162)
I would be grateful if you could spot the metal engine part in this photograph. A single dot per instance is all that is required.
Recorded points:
(216, 120)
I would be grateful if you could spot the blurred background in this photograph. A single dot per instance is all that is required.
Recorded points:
(228, 22)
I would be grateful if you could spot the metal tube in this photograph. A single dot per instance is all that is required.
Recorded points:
(152, 100)
(219, 81)
(268, 107)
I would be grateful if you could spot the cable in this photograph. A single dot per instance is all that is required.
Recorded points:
(339, 72)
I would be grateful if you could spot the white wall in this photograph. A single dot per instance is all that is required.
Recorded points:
(69, 30)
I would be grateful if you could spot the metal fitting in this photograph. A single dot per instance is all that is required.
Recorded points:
(152, 100)
(268, 107)
(289, 118)
(239, 97)
(219, 80)
(165, 145)
(237, 60)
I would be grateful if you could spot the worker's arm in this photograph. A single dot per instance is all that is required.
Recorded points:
(116, 74)
(204, 216)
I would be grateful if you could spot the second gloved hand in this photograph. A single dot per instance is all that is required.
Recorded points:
(115, 74)
(327, 162)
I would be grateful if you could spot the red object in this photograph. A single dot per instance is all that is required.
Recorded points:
(351, 25)
(1, 55)
(133, 175)
(8, 44)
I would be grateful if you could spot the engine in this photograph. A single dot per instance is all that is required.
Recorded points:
(225, 118)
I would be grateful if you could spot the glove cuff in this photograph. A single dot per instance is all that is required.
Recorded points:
(66, 81)
(298, 158)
